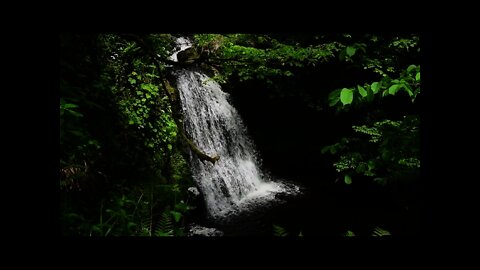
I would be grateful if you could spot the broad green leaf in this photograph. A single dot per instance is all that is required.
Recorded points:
(132, 80)
(334, 97)
(417, 77)
(333, 102)
(375, 87)
(362, 91)
(411, 67)
(394, 88)
(346, 96)
(176, 215)
(348, 179)
(70, 105)
(351, 51)
(169, 147)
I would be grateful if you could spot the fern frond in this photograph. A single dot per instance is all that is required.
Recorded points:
(165, 225)
(379, 232)
(279, 231)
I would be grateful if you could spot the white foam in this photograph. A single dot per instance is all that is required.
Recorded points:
(235, 181)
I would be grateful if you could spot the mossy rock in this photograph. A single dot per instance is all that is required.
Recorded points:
(188, 56)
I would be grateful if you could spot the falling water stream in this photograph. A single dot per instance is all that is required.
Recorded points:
(235, 183)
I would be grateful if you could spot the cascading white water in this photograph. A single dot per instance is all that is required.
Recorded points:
(234, 182)
(182, 44)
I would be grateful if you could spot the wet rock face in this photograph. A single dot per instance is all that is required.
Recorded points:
(197, 230)
(188, 56)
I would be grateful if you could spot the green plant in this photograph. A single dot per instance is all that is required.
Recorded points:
(349, 234)
(165, 226)
(260, 56)
(279, 231)
(379, 232)
(408, 82)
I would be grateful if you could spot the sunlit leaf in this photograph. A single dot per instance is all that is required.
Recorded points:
(348, 179)
(362, 91)
(375, 87)
(394, 88)
(346, 96)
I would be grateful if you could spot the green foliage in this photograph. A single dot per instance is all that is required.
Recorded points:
(348, 179)
(388, 150)
(349, 234)
(362, 91)
(375, 87)
(260, 56)
(379, 232)
(165, 226)
(279, 231)
(120, 162)
(351, 51)
(388, 53)
(346, 96)
(145, 108)
(118, 138)
(380, 149)
(408, 82)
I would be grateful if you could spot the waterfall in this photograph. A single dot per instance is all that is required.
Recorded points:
(235, 182)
